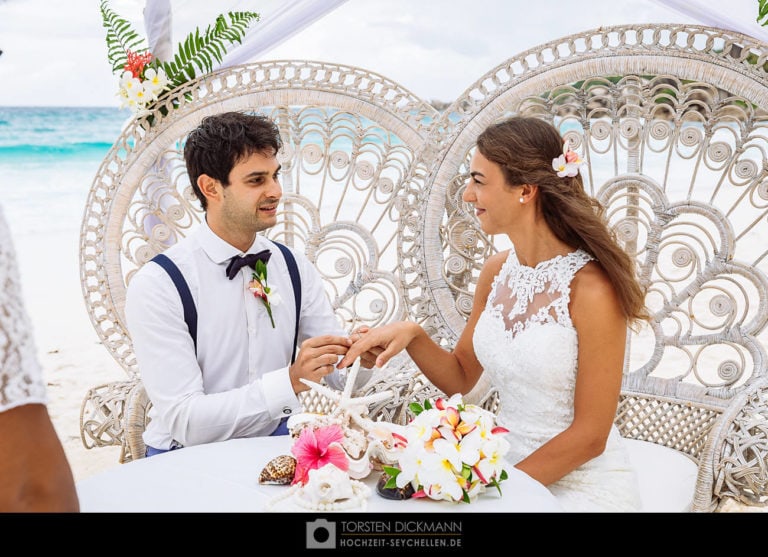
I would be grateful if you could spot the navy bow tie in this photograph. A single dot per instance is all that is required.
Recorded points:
(250, 259)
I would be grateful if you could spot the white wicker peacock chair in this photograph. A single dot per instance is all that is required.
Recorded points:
(673, 121)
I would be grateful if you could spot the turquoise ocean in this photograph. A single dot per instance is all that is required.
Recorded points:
(49, 157)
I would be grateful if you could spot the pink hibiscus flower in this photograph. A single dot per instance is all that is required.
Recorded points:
(317, 447)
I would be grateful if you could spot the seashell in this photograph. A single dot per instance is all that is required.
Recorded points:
(355, 443)
(359, 468)
(328, 485)
(297, 422)
(279, 470)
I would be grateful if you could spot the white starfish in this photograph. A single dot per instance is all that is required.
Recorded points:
(377, 441)
(346, 403)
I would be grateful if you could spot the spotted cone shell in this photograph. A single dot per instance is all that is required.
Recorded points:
(279, 470)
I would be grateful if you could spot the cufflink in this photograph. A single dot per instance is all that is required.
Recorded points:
(287, 410)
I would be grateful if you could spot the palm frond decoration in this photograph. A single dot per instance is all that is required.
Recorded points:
(197, 53)
(144, 77)
(121, 38)
(762, 14)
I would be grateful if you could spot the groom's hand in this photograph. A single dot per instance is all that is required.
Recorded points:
(317, 358)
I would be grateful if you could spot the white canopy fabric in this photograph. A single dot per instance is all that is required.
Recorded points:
(719, 14)
(289, 18)
(158, 21)
(292, 16)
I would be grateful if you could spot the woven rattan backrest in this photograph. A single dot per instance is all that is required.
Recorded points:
(350, 139)
(671, 120)
(673, 123)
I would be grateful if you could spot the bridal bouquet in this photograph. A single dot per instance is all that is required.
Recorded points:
(453, 452)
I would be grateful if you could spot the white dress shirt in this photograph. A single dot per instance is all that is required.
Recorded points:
(237, 384)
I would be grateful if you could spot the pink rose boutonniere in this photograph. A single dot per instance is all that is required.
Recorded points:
(261, 289)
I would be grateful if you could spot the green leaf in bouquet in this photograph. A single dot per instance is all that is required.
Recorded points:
(261, 269)
(392, 473)
(466, 471)
(416, 408)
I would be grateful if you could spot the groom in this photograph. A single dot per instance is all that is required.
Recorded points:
(214, 326)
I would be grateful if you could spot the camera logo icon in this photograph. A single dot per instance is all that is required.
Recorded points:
(321, 534)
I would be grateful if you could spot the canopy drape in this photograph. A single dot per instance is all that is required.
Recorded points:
(293, 16)
(289, 18)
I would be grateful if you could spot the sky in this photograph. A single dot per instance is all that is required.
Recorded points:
(54, 51)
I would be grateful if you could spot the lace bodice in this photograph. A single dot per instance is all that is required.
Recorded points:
(523, 296)
(21, 380)
(527, 344)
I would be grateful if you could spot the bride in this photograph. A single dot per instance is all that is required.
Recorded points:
(548, 322)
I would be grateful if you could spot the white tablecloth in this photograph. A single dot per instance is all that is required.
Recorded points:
(224, 477)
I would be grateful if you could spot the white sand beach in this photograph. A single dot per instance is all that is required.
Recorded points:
(71, 355)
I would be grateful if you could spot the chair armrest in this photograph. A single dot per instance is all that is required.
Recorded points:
(135, 421)
(740, 443)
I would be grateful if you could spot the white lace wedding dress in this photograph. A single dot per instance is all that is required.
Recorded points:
(21, 379)
(526, 342)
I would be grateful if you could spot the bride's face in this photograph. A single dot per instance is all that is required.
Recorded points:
(493, 198)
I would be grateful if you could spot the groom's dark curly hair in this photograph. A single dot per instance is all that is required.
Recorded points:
(223, 140)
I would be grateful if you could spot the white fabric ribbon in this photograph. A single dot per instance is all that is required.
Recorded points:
(720, 15)
(158, 23)
(276, 27)
(273, 28)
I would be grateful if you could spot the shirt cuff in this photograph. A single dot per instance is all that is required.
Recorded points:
(278, 394)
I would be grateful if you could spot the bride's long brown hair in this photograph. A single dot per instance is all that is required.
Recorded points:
(524, 148)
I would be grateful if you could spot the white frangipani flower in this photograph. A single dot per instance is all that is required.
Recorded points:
(453, 451)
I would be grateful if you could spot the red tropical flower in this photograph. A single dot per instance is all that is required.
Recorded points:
(136, 63)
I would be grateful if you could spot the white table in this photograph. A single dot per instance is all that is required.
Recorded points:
(224, 477)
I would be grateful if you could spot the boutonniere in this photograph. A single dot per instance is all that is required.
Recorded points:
(261, 289)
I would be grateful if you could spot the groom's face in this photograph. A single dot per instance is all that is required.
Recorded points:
(250, 201)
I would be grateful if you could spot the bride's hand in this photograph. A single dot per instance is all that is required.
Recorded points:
(367, 358)
(378, 345)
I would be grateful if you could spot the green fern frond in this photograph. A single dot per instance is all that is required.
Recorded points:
(120, 38)
(762, 16)
(198, 53)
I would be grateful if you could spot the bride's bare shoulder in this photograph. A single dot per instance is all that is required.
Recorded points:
(494, 263)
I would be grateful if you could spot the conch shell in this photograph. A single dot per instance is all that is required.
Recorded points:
(328, 485)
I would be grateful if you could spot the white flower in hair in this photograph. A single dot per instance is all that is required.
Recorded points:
(567, 164)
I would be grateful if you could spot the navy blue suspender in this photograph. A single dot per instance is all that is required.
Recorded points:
(190, 312)
(293, 270)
